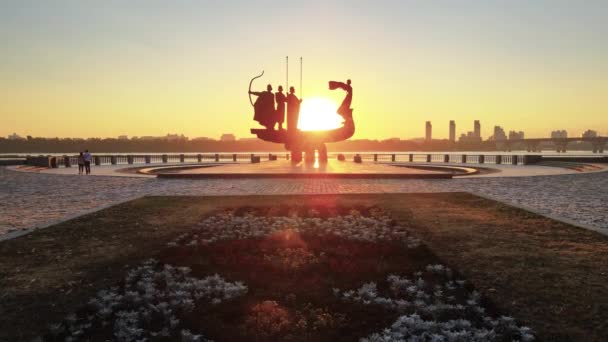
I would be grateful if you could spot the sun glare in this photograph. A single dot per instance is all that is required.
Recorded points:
(318, 114)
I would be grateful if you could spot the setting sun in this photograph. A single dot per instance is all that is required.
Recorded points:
(319, 113)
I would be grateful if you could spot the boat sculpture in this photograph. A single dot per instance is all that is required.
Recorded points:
(297, 141)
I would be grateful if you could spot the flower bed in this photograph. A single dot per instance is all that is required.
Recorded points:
(294, 274)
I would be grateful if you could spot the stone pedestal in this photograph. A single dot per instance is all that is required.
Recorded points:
(309, 155)
(322, 151)
(296, 156)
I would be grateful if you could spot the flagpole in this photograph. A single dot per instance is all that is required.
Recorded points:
(287, 74)
(300, 78)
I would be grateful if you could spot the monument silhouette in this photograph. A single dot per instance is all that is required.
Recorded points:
(297, 141)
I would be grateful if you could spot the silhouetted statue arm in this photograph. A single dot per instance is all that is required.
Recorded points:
(256, 93)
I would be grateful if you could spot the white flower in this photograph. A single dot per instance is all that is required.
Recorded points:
(149, 289)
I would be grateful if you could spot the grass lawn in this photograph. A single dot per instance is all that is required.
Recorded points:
(311, 285)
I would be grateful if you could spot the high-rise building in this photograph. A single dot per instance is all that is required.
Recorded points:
(559, 134)
(589, 134)
(477, 129)
(499, 134)
(469, 137)
(452, 130)
(429, 131)
(513, 135)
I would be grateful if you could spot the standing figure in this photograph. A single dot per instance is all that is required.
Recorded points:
(81, 163)
(344, 110)
(293, 110)
(264, 111)
(280, 113)
(87, 162)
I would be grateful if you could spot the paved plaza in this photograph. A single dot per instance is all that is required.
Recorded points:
(30, 200)
(302, 170)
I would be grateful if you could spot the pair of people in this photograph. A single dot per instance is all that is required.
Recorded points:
(84, 162)
(266, 113)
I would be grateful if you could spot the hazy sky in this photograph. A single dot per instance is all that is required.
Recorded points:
(105, 68)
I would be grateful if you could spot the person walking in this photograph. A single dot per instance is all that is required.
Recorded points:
(87, 162)
(80, 163)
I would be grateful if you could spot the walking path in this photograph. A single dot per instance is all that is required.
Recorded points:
(346, 167)
(30, 199)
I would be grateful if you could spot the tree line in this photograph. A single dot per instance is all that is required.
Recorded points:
(162, 145)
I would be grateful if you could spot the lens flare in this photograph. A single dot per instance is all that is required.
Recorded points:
(319, 114)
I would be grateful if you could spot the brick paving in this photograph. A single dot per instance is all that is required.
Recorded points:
(35, 199)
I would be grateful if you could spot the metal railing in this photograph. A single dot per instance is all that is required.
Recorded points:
(72, 160)
(122, 159)
(442, 158)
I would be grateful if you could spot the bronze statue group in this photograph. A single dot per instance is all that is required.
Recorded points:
(269, 115)
(270, 109)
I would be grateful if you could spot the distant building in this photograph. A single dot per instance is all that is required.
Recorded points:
(227, 137)
(249, 139)
(513, 135)
(452, 131)
(477, 129)
(429, 131)
(590, 134)
(201, 139)
(469, 137)
(499, 134)
(148, 137)
(175, 137)
(559, 134)
(123, 137)
(15, 136)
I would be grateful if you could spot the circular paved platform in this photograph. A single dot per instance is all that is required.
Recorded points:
(286, 169)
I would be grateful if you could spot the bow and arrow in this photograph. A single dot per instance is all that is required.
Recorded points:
(287, 78)
(251, 82)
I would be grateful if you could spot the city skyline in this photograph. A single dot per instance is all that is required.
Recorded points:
(111, 68)
(498, 134)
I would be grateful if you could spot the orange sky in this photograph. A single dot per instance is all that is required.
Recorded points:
(108, 68)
